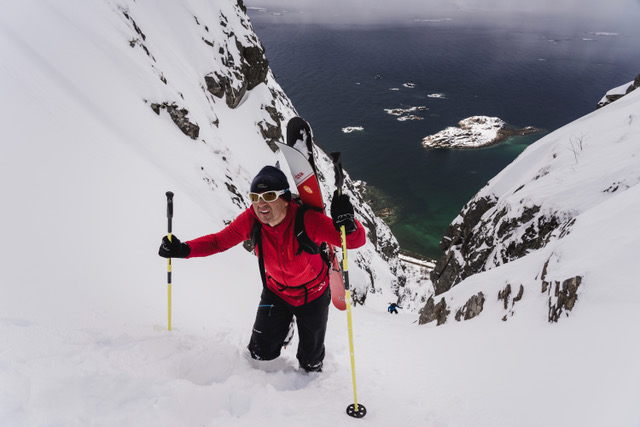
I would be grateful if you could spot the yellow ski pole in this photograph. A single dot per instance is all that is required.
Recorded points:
(169, 218)
(355, 410)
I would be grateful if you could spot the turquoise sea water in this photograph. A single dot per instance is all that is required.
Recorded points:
(347, 76)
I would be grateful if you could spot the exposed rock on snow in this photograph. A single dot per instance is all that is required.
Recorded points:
(619, 92)
(472, 308)
(475, 132)
(179, 117)
(271, 132)
(239, 76)
(432, 311)
(505, 296)
(440, 312)
(564, 296)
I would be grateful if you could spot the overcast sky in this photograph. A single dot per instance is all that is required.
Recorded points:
(608, 12)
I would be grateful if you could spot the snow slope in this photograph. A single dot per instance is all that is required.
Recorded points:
(84, 164)
(585, 174)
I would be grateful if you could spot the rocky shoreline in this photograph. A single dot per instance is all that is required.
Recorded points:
(387, 210)
(383, 206)
(476, 132)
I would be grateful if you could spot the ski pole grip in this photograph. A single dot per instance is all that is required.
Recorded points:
(169, 210)
(169, 204)
(337, 166)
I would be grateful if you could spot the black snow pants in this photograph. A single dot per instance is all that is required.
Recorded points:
(272, 325)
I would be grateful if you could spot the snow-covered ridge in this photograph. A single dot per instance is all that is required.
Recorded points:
(555, 222)
(619, 92)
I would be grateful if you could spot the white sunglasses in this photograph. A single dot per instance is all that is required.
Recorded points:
(267, 196)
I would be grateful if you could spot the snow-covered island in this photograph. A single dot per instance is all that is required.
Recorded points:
(409, 117)
(350, 129)
(476, 132)
(400, 112)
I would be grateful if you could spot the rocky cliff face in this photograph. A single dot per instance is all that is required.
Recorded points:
(488, 233)
(240, 65)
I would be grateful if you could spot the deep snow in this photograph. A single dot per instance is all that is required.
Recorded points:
(84, 165)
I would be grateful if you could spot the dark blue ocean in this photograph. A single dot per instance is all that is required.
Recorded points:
(344, 76)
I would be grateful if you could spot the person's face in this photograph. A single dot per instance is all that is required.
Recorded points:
(271, 213)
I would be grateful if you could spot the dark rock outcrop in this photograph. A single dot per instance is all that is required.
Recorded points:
(486, 235)
(236, 79)
(611, 97)
(432, 311)
(179, 117)
(472, 308)
(564, 296)
(460, 241)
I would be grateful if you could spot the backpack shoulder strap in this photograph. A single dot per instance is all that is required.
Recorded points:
(256, 233)
(256, 240)
(304, 242)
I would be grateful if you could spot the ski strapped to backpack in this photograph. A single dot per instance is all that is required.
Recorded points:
(304, 244)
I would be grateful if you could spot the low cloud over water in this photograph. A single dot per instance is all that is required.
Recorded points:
(620, 13)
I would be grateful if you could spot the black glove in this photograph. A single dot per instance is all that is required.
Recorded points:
(173, 248)
(342, 213)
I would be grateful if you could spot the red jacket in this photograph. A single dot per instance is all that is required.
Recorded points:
(287, 274)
